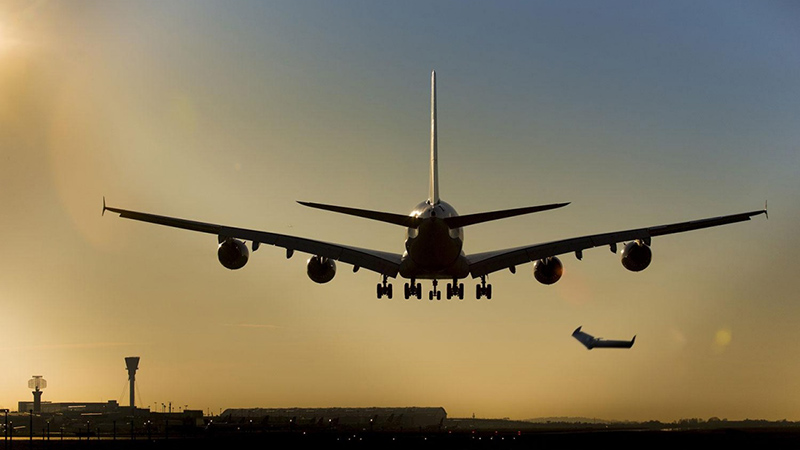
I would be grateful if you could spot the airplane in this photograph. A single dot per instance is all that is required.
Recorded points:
(592, 342)
(434, 242)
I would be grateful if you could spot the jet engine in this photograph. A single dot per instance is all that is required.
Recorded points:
(233, 253)
(548, 271)
(636, 256)
(320, 269)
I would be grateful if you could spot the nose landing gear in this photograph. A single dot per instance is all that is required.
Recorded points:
(435, 292)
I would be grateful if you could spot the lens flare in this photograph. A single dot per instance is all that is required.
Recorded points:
(722, 339)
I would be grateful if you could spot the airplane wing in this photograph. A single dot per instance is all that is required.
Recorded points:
(591, 342)
(384, 263)
(603, 343)
(584, 338)
(481, 264)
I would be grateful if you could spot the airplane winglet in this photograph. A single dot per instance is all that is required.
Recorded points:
(104, 207)
(766, 212)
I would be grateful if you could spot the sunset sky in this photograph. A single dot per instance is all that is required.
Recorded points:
(639, 113)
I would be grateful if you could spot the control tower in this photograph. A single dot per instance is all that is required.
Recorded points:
(132, 363)
(37, 383)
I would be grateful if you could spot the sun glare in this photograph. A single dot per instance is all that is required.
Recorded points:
(9, 40)
(6, 42)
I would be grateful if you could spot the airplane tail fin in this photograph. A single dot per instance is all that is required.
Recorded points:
(433, 189)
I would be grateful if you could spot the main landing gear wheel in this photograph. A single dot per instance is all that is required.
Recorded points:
(412, 290)
(483, 289)
(455, 290)
(384, 289)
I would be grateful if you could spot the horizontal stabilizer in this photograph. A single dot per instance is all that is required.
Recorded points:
(472, 219)
(397, 219)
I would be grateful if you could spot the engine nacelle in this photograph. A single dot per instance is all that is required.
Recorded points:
(636, 256)
(320, 269)
(548, 271)
(233, 253)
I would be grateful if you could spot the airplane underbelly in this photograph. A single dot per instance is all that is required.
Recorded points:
(458, 269)
(433, 248)
(433, 253)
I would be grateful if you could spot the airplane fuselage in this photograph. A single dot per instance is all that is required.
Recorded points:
(434, 250)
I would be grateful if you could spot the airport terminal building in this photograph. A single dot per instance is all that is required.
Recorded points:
(109, 407)
(373, 419)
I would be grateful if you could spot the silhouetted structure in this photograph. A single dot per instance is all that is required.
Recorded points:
(373, 419)
(72, 407)
(37, 383)
(132, 363)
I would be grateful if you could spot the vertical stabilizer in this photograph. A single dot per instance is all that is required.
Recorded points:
(433, 194)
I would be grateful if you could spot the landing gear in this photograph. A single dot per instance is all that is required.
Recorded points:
(455, 290)
(413, 290)
(435, 292)
(483, 289)
(385, 289)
